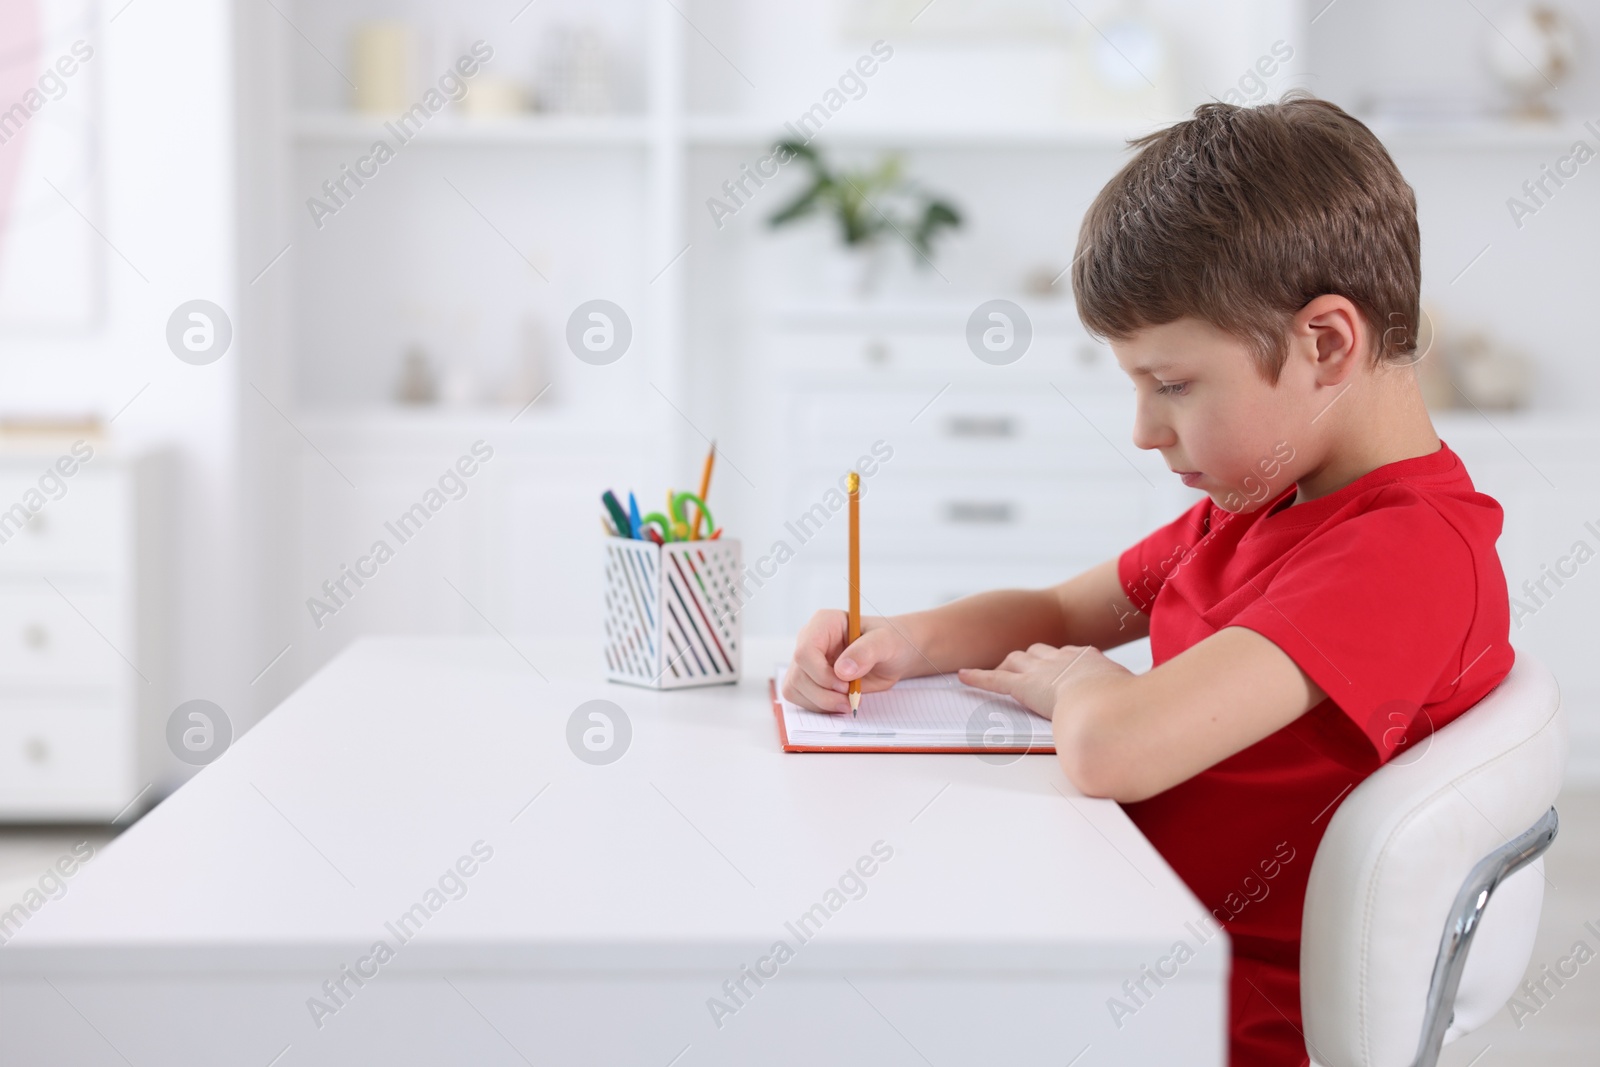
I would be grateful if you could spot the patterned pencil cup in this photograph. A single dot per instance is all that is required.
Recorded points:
(672, 612)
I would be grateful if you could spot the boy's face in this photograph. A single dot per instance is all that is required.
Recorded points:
(1202, 404)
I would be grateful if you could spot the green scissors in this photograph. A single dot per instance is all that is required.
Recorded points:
(676, 526)
(655, 518)
(680, 516)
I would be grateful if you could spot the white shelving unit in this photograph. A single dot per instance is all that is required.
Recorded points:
(543, 211)
(475, 242)
(641, 210)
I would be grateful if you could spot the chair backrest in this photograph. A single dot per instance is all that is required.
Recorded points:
(1395, 854)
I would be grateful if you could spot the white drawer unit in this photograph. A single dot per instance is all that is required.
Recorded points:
(896, 586)
(968, 519)
(83, 678)
(1021, 474)
(60, 633)
(77, 530)
(64, 761)
(867, 345)
(957, 426)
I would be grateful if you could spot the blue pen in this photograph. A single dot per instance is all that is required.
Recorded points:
(633, 515)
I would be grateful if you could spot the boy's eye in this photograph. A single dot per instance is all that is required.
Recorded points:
(1172, 388)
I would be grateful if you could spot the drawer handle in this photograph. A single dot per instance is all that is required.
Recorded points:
(876, 352)
(36, 635)
(38, 752)
(985, 512)
(981, 426)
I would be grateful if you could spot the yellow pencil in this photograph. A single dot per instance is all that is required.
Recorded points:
(705, 487)
(855, 580)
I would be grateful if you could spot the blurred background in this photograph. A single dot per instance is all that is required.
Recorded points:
(270, 269)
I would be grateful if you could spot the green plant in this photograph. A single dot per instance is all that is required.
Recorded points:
(869, 203)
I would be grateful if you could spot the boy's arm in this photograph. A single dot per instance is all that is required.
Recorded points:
(1099, 611)
(979, 630)
(1130, 736)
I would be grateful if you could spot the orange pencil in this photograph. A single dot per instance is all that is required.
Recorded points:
(855, 580)
(705, 487)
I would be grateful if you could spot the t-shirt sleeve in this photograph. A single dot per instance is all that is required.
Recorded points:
(1376, 610)
(1145, 568)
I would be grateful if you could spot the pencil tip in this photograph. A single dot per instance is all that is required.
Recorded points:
(855, 702)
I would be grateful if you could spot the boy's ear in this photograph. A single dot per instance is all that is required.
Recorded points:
(1336, 333)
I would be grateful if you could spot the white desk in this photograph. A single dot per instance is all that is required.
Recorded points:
(615, 905)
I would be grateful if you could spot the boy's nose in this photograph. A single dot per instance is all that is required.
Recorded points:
(1149, 432)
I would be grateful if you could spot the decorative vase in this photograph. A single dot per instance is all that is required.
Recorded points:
(1532, 51)
(855, 271)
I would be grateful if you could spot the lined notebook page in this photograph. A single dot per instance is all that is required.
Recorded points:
(936, 711)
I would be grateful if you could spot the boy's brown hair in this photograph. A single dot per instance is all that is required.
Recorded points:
(1240, 216)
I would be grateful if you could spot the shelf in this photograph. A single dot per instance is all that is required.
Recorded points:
(740, 131)
(1053, 314)
(533, 129)
(709, 131)
(541, 417)
(745, 132)
(1478, 134)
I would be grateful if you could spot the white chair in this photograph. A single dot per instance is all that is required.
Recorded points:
(1421, 845)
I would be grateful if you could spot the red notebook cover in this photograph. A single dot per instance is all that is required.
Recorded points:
(783, 738)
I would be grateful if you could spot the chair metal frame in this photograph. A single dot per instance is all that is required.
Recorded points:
(1462, 924)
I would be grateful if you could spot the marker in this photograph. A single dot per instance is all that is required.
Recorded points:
(618, 516)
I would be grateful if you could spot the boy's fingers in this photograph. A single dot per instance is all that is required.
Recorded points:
(821, 679)
(810, 695)
(1022, 659)
(860, 657)
(813, 664)
(812, 659)
(994, 681)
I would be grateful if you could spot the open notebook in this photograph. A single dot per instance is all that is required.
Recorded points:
(936, 713)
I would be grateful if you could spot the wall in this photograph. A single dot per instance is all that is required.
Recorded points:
(167, 213)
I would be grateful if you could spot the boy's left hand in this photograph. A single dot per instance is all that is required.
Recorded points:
(1042, 674)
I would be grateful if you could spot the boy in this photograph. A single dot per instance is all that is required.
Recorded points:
(1335, 598)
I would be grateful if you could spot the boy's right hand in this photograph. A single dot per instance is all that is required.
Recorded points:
(819, 675)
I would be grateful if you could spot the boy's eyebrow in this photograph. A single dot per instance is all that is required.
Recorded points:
(1152, 368)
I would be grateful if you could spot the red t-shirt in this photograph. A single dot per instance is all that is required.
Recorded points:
(1390, 595)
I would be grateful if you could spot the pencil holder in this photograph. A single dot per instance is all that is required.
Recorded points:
(672, 612)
